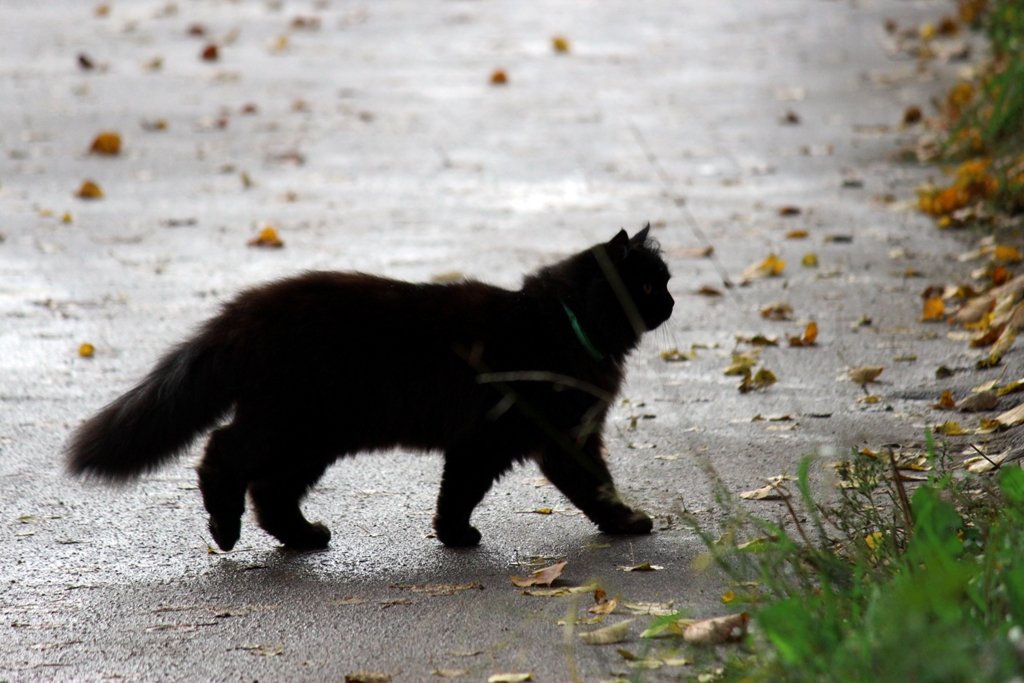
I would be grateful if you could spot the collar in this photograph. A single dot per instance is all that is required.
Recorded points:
(580, 334)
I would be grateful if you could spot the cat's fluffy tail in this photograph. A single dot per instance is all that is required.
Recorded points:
(183, 396)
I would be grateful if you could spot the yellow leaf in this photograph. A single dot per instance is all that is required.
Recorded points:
(67, 217)
(869, 399)
(606, 607)
(510, 678)
(728, 596)
(86, 350)
(797, 234)
(743, 363)
(934, 309)
(951, 428)
(267, 238)
(874, 540)
(560, 44)
(809, 336)
(771, 266)
(89, 190)
(1007, 254)
(106, 143)
(810, 260)
(762, 379)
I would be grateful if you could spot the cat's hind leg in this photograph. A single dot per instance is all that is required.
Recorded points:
(222, 482)
(276, 498)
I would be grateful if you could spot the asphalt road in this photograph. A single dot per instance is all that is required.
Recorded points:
(370, 136)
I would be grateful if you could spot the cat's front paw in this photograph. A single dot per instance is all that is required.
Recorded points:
(225, 531)
(630, 522)
(458, 537)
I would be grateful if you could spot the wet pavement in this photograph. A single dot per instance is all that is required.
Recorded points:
(370, 136)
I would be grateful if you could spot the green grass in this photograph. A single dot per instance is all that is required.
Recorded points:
(882, 584)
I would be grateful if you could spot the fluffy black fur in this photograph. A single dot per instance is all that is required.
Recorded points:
(329, 364)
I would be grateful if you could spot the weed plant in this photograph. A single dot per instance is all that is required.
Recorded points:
(885, 583)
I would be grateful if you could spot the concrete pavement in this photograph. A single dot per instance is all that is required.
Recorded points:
(369, 135)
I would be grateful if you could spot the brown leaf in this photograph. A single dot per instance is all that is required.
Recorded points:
(777, 311)
(560, 44)
(616, 633)
(708, 290)
(367, 677)
(642, 567)
(89, 190)
(865, 374)
(499, 77)
(210, 53)
(728, 629)
(945, 402)
(541, 577)
(979, 402)
(106, 143)
(790, 211)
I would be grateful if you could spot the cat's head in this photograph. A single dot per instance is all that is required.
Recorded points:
(637, 277)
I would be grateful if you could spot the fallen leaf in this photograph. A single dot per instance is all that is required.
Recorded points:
(541, 577)
(605, 607)
(509, 678)
(951, 428)
(797, 234)
(708, 290)
(869, 399)
(933, 309)
(692, 252)
(728, 596)
(499, 77)
(809, 260)
(946, 401)
(264, 649)
(809, 336)
(1012, 417)
(367, 677)
(642, 567)
(770, 266)
(89, 190)
(979, 402)
(210, 53)
(743, 363)
(86, 350)
(728, 629)
(778, 311)
(911, 115)
(865, 374)
(449, 673)
(267, 238)
(985, 463)
(106, 143)
(674, 355)
(616, 633)
(767, 492)
(1005, 253)
(560, 44)
(762, 379)
(790, 211)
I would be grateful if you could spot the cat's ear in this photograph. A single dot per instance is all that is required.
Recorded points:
(619, 245)
(640, 238)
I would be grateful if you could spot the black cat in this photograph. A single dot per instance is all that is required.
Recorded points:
(326, 365)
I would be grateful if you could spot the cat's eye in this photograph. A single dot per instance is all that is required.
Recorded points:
(648, 288)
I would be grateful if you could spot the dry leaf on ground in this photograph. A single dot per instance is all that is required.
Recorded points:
(865, 374)
(367, 677)
(642, 567)
(541, 577)
(770, 266)
(727, 629)
(616, 633)
(267, 239)
(808, 338)
(89, 189)
(107, 143)
(510, 678)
